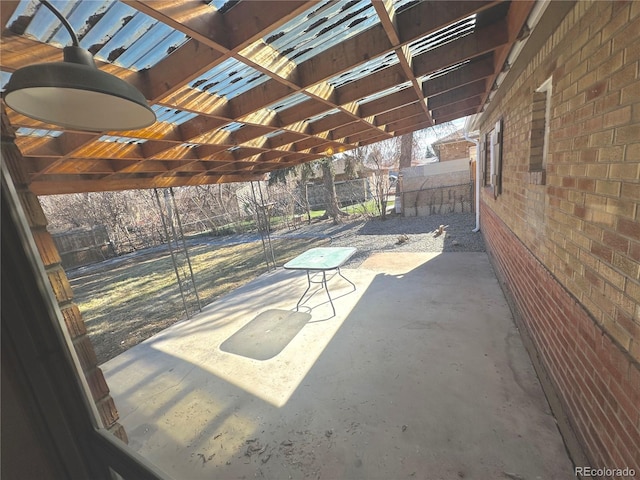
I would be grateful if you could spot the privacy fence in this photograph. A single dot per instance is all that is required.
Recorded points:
(438, 200)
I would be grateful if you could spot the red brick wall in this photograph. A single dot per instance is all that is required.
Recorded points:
(570, 250)
(598, 383)
(454, 150)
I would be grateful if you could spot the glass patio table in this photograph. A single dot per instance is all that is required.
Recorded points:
(317, 262)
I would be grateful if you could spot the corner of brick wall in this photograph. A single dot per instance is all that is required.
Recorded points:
(59, 283)
(454, 150)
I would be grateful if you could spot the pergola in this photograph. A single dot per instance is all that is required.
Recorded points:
(242, 88)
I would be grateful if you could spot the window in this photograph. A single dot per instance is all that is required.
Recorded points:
(539, 136)
(492, 158)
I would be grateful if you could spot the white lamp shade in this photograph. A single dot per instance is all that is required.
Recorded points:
(78, 97)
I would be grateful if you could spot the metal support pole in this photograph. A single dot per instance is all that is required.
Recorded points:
(268, 226)
(258, 208)
(173, 259)
(186, 250)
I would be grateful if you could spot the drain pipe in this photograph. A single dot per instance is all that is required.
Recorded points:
(477, 186)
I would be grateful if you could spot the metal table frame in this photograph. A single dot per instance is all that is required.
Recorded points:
(320, 261)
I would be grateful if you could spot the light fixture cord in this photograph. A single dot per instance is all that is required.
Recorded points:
(54, 10)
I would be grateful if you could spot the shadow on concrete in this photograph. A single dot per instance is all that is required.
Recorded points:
(267, 335)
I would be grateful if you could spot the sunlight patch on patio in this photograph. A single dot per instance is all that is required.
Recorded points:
(201, 341)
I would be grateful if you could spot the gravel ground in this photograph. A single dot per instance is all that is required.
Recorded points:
(399, 234)
(368, 235)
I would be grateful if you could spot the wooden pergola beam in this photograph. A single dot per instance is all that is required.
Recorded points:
(347, 130)
(429, 16)
(246, 23)
(374, 83)
(285, 138)
(7, 10)
(413, 128)
(308, 143)
(515, 20)
(208, 152)
(197, 125)
(449, 118)
(482, 41)
(466, 91)
(330, 122)
(344, 56)
(388, 102)
(386, 13)
(172, 73)
(464, 75)
(84, 166)
(399, 113)
(200, 21)
(363, 136)
(307, 109)
(74, 185)
(406, 122)
(456, 107)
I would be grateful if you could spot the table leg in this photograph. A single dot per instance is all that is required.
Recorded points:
(326, 289)
(324, 280)
(340, 273)
(305, 292)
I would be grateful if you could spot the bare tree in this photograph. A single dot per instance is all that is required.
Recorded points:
(305, 173)
(382, 157)
(406, 150)
(62, 211)
(300, 175)
(379, 158)
(330, 196)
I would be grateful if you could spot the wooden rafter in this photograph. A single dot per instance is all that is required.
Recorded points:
(387, 15)
(457, 94)
(515, 19)
(464, 75)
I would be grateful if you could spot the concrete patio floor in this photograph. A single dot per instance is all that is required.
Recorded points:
(421, 374)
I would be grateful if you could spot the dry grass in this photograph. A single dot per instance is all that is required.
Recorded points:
(127, 301)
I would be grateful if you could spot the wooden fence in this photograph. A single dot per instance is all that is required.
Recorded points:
(84, 246)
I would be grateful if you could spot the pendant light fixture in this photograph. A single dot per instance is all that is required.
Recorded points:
(75, 94)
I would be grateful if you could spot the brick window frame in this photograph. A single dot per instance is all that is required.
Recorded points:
(539, 133)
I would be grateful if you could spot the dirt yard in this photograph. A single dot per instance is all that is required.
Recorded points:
(129, 299)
